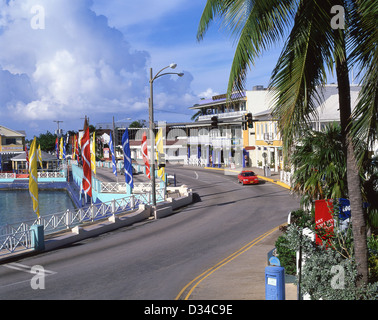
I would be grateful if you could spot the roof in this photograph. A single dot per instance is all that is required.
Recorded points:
(328, 110)
(219, 99)
(6, 132)
(45, 157)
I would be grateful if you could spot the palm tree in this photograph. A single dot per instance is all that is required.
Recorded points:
(312, 48)
(319, 166)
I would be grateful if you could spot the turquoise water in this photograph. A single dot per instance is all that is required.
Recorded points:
(16, 205)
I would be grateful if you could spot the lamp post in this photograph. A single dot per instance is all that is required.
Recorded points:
(152, 125)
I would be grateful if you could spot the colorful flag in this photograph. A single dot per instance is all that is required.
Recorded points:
(93, 153)
(61, 148)
(160, 150)
(57, 147)
(145, 155)
(86, 156)
(74, 148)
(40, 156)
(27, 156)
(77, 149)
(113, 156)
(33, 176)
(127, 159)
(64, 150)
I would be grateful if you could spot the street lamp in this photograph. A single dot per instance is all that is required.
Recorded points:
(152, 125)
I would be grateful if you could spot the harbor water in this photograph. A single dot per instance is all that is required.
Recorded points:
(16, 205)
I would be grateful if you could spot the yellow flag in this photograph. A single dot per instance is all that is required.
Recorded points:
(40, 156)
(93, 154)
(33, 176)
(160, 150)
(61, 148)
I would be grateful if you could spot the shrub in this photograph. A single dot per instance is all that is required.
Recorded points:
(286, 255)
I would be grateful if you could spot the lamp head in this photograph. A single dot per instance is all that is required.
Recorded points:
(173, 65)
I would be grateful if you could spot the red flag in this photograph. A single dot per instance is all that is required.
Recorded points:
(77, 148)
(145, 157)
(86, 156)
(27, 155)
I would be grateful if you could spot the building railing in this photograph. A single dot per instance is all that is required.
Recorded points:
(222, 115)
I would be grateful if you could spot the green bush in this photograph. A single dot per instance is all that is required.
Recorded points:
(286, 256)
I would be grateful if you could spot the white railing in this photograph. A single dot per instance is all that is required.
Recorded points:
(4, 175)
(56, 174)
(194, 161)
(65, 220)
(285, 177)
(15, 242)
(14, 237)
(52, 174)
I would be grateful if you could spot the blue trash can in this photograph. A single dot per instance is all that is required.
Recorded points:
(274, 283)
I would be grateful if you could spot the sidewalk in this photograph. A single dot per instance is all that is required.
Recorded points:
(243, 278)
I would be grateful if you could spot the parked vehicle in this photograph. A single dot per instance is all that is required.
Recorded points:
(248, 177)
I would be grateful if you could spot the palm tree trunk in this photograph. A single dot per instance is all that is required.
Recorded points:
(353, 178)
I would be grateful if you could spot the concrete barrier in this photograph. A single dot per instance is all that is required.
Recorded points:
(79, 233)
(166, 208)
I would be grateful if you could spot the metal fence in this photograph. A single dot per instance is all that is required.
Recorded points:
(14, 237)
(15, 242)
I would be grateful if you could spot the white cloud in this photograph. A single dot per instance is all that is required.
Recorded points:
(208, 93)
(77, 65)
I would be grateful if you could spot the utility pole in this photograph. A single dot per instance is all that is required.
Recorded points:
(58, 131)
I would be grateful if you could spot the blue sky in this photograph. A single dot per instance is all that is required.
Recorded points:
(93, 57)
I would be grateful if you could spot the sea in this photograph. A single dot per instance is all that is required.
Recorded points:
(17, 206)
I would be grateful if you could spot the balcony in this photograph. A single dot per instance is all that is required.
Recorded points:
(222, 115)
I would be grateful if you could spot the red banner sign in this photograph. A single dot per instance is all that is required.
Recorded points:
(324, 222)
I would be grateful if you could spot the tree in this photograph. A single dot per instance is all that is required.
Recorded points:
(312, 48)
(320, 171)
(137, 124)
(47, 141)
(319, 166)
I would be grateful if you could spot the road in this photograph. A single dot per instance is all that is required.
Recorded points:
(157, 258)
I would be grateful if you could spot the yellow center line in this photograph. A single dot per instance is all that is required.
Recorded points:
(220, 264)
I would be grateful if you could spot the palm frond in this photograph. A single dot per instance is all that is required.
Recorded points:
(364, 56)
(300, 73)
(265, 24)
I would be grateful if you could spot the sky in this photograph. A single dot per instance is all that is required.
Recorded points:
(67, 59)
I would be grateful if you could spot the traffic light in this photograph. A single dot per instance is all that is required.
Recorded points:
(214, 122)
(249, 120)
(244, 122)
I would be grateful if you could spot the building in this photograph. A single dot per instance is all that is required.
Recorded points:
(12, 143)
(49, 163)
(231, 143)
(234, 144)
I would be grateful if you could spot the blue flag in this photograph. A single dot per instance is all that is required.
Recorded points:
(113, 156)
(127, 159)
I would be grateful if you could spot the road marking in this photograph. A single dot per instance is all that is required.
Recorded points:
(27, 269)
(196, 281)
(196, 175)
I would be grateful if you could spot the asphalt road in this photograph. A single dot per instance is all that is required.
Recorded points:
(155, 259)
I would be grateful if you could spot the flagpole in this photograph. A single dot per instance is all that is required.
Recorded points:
(152, 140)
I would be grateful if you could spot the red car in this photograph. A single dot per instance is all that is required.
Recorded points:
(248, 177)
